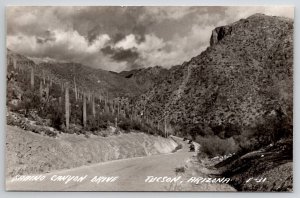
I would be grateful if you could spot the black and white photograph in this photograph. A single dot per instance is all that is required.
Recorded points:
(149, 98)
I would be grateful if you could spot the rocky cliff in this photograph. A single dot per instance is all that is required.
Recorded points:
(244, 74)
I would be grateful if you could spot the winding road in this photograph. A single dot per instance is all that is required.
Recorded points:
(131, 175)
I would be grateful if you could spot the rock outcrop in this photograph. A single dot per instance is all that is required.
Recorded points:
(219, 33)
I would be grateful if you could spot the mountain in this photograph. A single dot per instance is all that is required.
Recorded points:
(146, 78)
(86, 78)
(245, 74)
(94, 79)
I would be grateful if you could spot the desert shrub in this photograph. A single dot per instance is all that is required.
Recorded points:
(179, 169)
(57, 119)
(271, 128)
(126, 125)
(76, 112)
(217, 129)
(193, 130)
(30, 100)
(107, 117)
(50, 133)
(267, 130)
(213, 145)
(231, 130)
(98, 123)
(136, 126)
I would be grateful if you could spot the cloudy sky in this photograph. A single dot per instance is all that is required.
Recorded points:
(120, 38)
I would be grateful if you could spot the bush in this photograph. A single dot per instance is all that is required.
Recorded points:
(125, 125)
(98, 123)
(271, 128)
(30, 100)
(179, 170)
(57, 119)
(213, 146)
(193, 130)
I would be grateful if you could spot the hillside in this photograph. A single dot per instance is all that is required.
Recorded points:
(146, 78)
(244, 76)
(40, 154)
(95, 80)
(97, 99)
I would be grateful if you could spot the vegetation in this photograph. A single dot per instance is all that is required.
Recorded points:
(37, 95)
(230, 98)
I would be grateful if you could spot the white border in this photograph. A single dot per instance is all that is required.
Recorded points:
(4, 3)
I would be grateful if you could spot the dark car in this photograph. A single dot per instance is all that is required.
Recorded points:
(192, 148)
(190, 142)
(184, 139)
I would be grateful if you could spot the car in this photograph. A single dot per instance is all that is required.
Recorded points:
(184, 139)
(190, 141)
(192, 148)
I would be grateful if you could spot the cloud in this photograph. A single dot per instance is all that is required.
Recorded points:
(122, 55)
(118, 38)
(47, 37)
(128, 42)
(63, 46)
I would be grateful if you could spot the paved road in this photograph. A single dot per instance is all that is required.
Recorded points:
(131, 173)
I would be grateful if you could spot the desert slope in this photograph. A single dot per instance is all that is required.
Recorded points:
(29, 153)
(244, 74)
(86, 78)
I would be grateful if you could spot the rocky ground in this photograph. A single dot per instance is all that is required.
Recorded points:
(265, 170)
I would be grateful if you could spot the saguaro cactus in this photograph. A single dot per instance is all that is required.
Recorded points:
(41, 89)
(15, 63)
(100, 97)
(44, 77)
(32, 78)
(62, 87)
(158, 126)
(50, 84)
(84, 110)
(118, 107)
(165, 127)
(67, 107)
(47, 91)
(116, 122)
(93, 105)
(9, 61)
(75, 89)
(59, 101)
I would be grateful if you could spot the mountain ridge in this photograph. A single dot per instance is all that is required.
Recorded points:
(96, 80)
(229, 82)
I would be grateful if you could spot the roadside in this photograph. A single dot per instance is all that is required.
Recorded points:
(30, 153)
(132, 174)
